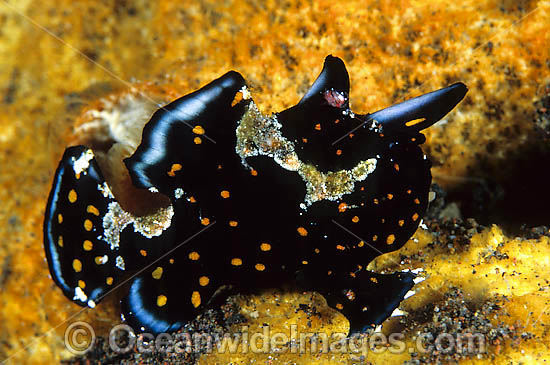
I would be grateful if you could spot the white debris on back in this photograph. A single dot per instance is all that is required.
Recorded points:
(91, 303)
(398, 312)
(80, 295)
(178, 193)
(260, 135)
(116, 219)
(103, 259)
(105, 190)
(120, 263)
(246, 93)
(81, 164)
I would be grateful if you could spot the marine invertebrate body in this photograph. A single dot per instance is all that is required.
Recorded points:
(255, 201)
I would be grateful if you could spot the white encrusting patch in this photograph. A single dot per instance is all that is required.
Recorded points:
(120, 263)
(116, 219)
(105, 190)
(178, 193)
(260, 135)
(398, 312)
(81, 164)
(246, 93)
(103, 259)
(80, 295)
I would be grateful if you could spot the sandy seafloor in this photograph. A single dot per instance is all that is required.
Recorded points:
(485, 245)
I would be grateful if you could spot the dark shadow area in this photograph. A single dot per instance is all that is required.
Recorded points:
(518, 196)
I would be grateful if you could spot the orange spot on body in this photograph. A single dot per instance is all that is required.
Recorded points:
(87, 245)
(204, 280)
(194, 256)
(302, 231)
(196, 299)
(237, 99)
(205, 221)
(265, 247)
(161, 300)
(410, 123)
(236, 261)
(342, 207)
(157, 273)
(93, 210)
(198, 129)
(175, 167)
(318, 126)
(233, 223)
(350, 294)
(415, 217)
(390, 239)
(72, 196)
(225, 194)
(340, 247)
(260, 267)
(88, 225)
(100, 260)
(396, 167)
(355, 219)
(77, 265)
(390, 196)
